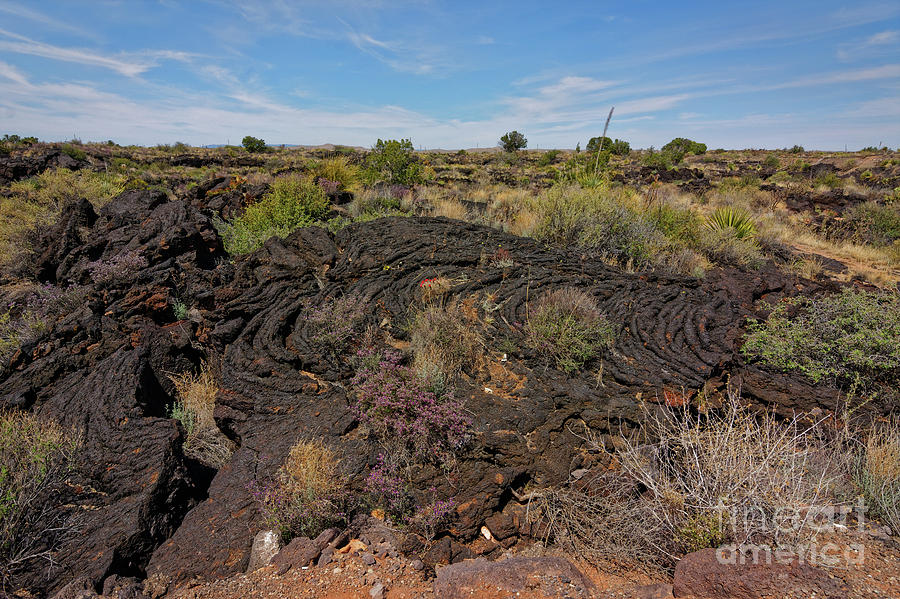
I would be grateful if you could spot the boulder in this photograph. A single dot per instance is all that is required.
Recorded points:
(722, 574)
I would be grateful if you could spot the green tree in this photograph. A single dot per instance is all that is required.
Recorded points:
(253, 144)
(513, 141)
(680, 147)
(394, 162)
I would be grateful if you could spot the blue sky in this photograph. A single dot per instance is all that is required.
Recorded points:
(822, 74)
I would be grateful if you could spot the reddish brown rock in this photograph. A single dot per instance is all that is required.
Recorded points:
(707, 574)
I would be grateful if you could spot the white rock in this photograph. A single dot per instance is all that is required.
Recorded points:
(266, 544)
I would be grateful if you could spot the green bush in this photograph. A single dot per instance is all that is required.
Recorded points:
(36, 456)
(661, 160)
(796, 149)
(567, 326)
(253, 144)
(850, 339)
(875, 223)
(772, 161)
(548, 157)
(681, 147)
(513, 141)
(597, 220)
(394, 162)
(619, 147)
(73, 152)
(294, 202)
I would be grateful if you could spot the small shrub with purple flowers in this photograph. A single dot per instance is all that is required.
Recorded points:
(334, 323)
(406, 413)
(118, 268)
(27, 320)
(306, 496)
(431, 518)
(388, 489)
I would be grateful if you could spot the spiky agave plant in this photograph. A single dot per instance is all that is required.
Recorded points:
(736, 219)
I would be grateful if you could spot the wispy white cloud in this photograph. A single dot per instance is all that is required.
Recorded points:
(22, 45)
(30, 14)
(12, 73)
(879, 44)
(879, 108)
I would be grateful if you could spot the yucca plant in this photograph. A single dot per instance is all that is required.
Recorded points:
(736, 219)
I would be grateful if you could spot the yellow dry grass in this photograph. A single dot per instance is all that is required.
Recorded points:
(311, 469)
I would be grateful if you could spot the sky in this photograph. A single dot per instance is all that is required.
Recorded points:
(822, 74)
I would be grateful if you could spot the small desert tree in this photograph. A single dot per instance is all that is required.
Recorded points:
(253, 144)
(513, 141)
(394, 162)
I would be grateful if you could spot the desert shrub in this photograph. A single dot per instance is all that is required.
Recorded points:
(388, 488)
(73, 152)
(850, 339)
(253, 144)
(194, 410)
(567, 326)
(294, 202)
(394, 162)
(660, 160)
(36, 457)
(597, 220)
(795, 149)
(121, 267)
(874, 223)
(878, 473)
(393, 200)
(678, 224)
(680, 147)
(409, 415)
(548, 158)
(772, 161)
(445, 341)
(619, 147)
(28, 320)
(38, 201)
(432, 517)
(830, 180)
(307, 495)
(686, 481)
(333, 324)
(729, 476)
(599, 519)
(725, 246)
(780, 177)
(338, 169)
(513, 141)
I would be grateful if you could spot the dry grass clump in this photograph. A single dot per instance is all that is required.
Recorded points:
(307, 495)
(445, 341)
(36, 456)
(693, 480)
(449, 208)
(878, 474)
(194, 409)
(311, 469)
